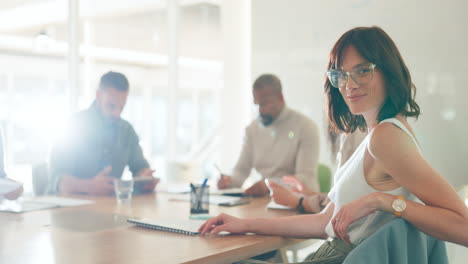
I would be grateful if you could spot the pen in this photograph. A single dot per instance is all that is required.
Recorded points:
(200, 194)
(194, 191)
(218, 169)
(204, 183)
(193, 188)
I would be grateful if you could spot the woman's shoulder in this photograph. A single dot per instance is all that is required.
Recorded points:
(387, 138)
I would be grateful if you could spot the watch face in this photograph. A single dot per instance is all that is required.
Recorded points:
(399, 205)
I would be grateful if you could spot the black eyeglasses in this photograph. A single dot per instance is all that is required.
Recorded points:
(361, 74)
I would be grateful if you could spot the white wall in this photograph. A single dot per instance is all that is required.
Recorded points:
(293, 40)
(235, 94)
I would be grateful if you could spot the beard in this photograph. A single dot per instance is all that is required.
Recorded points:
(107, 120)
(266, 119)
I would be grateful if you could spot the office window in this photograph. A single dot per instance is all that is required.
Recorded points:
(131, 37)
(33, 93)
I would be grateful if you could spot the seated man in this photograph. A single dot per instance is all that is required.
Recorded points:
(98, 145)
(281, 142)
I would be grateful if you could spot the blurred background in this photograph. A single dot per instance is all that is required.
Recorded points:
(191, 63)
(52, 54)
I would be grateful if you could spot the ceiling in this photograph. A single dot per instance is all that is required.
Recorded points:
(139, 25)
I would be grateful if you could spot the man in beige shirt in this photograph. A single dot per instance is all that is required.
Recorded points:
(280, 142)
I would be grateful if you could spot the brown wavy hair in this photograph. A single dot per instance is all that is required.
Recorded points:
(377, 47)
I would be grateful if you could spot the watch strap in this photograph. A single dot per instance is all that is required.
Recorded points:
(300, 207)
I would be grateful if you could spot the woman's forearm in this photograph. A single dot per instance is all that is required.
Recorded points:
(438, 222)
(306, 226)
(291, 226)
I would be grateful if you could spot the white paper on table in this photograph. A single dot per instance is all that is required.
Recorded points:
(273, 205)
(227, 191)
(59, 201)
(39, 203)
(24, 206)
(178, 189)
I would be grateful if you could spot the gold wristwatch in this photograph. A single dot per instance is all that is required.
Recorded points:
(399, 205)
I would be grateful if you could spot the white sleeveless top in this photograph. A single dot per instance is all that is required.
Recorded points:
(350, 184)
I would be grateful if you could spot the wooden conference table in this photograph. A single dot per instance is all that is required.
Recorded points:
(98, 233)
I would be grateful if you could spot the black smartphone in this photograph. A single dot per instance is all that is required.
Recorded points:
(235, 194)
(236, 202)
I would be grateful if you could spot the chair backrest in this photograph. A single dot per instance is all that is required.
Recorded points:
(324, 176)
(398, 241)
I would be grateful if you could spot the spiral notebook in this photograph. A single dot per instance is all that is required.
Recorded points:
(186, 227)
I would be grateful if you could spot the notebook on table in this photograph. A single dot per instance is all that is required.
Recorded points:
(186, 227)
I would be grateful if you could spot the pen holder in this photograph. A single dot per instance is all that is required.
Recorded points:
(199, 199)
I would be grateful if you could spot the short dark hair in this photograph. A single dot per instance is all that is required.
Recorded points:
(268, 80)
(377, 47)
(114, 80)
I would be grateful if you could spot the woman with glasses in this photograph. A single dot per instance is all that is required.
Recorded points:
(369, 88)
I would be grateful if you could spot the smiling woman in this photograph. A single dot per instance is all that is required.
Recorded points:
(361, 47)
(386, 173)
(385, 181)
